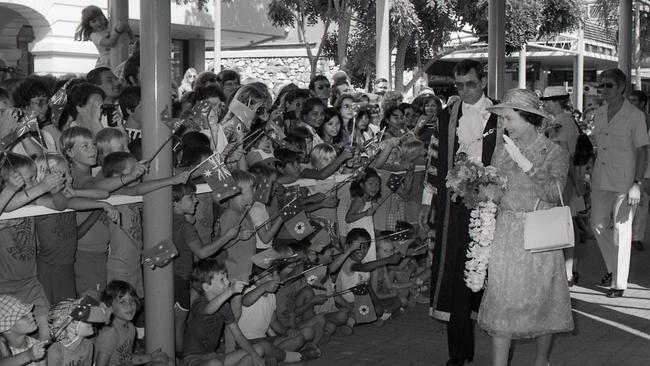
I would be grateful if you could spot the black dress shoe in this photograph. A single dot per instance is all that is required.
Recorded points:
(452, 362)
(638, 245)
(607, 279)
(614, 293)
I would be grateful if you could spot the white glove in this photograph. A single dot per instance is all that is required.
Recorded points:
(516, 154)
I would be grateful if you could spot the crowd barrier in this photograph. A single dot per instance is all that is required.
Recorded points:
(314, 186)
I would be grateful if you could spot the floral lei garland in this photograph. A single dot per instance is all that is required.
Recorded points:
(481, 189)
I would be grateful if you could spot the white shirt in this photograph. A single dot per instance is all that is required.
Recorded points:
(256, 319)
(471, 125)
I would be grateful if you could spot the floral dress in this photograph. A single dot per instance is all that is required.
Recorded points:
(527, 293)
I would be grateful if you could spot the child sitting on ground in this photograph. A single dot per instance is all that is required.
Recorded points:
(352, 272)
(114, 344)
(16, 346)
(258, 314)
(208, 316)
(70, 334)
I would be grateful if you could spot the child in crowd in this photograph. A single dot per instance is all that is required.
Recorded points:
(18, 275)
(108, 140)
(132, 111)
(290, 318)
(57, 233)
(239, 250)
(71, 345)
(331, 130)
(258, 213)
(203, 217)
(313, 114)
(16, 346)
(208, 316)
(94, 26)
(114, 343)
(325, 161)
(258, 315)
(92, 226)
(410, 152)
(123, 260)
(189, 245)
(385, 280)
(262, 151)
(352, 272)
(365, 194)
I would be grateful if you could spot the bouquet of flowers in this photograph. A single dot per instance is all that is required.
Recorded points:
(481, 189)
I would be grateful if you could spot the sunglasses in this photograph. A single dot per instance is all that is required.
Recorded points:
(469, 85)
(606, 85)
(321, 87)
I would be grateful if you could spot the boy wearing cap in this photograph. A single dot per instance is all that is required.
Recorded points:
(70, 324)
(16, 322)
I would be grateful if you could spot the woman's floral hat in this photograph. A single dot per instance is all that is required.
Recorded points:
(520, 99)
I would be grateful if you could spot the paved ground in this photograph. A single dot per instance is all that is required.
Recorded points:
(611, 332)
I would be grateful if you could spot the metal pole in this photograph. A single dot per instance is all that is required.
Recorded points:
(579, 72)
(118, 10)
(217, 36)
(155, 58)
(625, 40)
(522, 67)
(382, 56)
(637, 46)
(496, 47)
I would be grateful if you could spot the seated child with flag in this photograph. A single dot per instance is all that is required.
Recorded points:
(258, 317)
(352, 273)
(209, 314)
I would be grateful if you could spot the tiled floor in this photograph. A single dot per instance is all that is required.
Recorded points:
(609, 332)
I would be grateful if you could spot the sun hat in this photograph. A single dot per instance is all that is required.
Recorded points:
(11, 310)
(554, 92)
(520, 99)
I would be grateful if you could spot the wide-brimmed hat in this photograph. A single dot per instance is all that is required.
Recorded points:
(520, 99)
(11, 310)
(554, 92)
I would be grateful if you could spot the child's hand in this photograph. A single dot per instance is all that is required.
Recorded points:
(159, 356)
(139, 169)
(347, 154)
(37, 352)
(122, 26)
(182, 177)
(53, 183)
(421, 121)
(15, 182)
(238, 286)
(246, 234)
(272, 285)
(371, 211)
(112, 213)
(69, 192)
(319, 299)
(231, 233)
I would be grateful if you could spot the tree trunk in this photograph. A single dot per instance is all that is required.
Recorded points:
(344, 34)
(399, 62)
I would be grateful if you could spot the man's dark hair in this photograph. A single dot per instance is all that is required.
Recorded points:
(467, 65)
(643, 97)
(129, 99)
(315, 79)
(95, 75)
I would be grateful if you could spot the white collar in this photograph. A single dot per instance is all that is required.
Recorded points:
(476, 106)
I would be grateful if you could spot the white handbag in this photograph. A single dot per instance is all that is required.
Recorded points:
(550, 229)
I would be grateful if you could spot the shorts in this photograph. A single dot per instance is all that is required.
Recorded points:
(29, 291)
(199, 359)
(89, 271)
(182, 293)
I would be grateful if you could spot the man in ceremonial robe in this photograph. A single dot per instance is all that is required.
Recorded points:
(471, 131)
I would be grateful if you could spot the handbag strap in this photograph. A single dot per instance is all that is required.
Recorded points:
(557, 184)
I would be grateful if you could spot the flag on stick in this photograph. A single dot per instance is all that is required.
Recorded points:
(218, 177)
(364, 308)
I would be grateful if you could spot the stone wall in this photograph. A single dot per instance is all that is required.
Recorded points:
(279, 70)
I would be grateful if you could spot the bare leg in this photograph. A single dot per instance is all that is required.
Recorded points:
(543, 348)
(500, 350)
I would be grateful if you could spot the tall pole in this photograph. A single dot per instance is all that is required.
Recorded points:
(637, 46)
(496, 47)
(522, 67)
(625, 40)
(155, 58)
(579, 71)
(118, 10)
(217, 36)
(382, 56)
